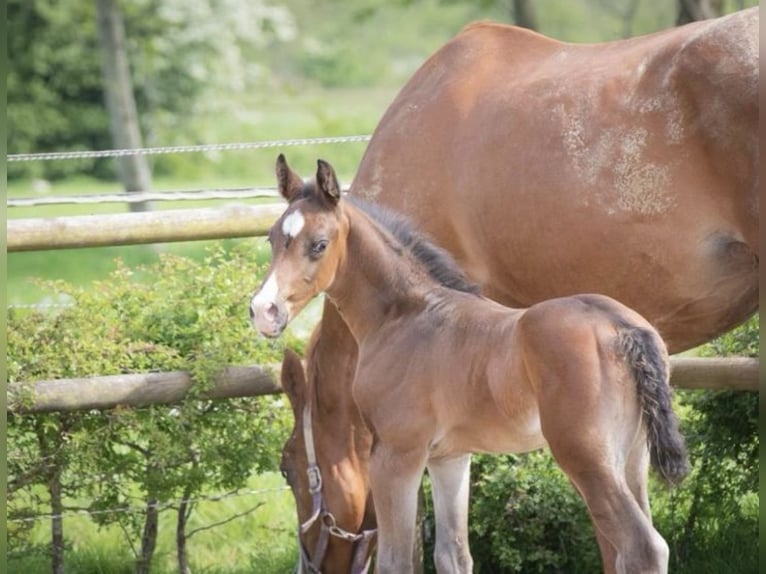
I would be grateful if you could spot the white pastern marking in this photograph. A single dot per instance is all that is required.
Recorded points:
(293, 224)
(267, 294)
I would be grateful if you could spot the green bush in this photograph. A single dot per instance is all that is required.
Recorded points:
(526, 517)
(175, 315)
(711, 521)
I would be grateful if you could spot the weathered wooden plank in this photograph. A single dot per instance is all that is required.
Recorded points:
(735, 373)
(135, 390)
(724, 373)
(41, 233)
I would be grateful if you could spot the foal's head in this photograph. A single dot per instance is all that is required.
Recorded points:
(307, 245)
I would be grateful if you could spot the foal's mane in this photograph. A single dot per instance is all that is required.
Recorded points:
(437, 262)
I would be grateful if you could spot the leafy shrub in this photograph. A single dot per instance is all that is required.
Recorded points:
(709, 520)
(526, 517)
(175, 315)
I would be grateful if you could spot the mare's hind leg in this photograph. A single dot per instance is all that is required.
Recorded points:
(395, 478)
(450, 478)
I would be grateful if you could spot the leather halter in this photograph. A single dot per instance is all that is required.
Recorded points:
(319, 513)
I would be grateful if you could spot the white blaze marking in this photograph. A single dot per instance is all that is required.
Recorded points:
(293, 224)
(267, 294)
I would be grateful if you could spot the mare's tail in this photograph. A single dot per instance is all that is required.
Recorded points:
(647, 356)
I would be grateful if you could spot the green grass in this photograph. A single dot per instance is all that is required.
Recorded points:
(263, 541)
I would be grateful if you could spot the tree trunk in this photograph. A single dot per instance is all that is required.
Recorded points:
(627, 18)
(57, 521)
(149, 538)
(524, 14)
(184, 510)
(693, 10)
(50, 450)
(120, 102)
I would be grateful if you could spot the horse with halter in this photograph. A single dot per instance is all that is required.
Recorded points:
(443, 372)
(628, 168)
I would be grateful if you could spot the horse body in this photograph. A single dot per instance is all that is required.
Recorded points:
(563, 169)
(443, 372)
(451, 345)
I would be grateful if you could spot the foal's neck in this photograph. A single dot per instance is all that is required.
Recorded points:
(377, 280)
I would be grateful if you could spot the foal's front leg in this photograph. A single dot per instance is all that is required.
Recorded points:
(450, 480)
(395, 478)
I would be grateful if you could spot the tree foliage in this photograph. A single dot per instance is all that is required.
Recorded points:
(54, 83)
(180, 52)
(714, 516)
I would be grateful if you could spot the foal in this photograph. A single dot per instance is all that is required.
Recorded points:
(443, 372)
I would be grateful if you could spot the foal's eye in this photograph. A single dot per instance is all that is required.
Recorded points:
(318, 247)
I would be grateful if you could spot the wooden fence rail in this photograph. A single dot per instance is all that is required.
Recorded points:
(105, 392)
(40, 233)
(219, 223)
(735, 373)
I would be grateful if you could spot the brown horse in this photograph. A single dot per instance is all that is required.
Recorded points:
(627, 168)
(443, 372)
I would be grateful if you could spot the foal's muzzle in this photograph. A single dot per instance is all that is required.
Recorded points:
(270, 319)
(268, 311)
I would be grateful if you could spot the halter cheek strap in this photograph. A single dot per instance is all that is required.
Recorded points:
(328, 526)
(313, 472)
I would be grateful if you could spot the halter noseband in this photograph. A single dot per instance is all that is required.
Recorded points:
(319, 512)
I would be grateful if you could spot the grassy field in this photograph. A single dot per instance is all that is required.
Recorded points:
(262, 541)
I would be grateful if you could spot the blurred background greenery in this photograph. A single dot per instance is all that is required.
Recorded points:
(207, 71)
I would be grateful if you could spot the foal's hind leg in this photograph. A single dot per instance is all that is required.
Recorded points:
(595, 449)
(450, 478)
(637, 473)
(636, 478)
(637, 547)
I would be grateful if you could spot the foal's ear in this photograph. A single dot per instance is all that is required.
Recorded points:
(293, 378)
(327, 183)
(290, 183)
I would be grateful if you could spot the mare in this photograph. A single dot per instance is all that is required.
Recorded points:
(545, 168)
(443, 372)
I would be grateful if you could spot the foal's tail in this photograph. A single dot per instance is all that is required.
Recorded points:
(648, 360)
